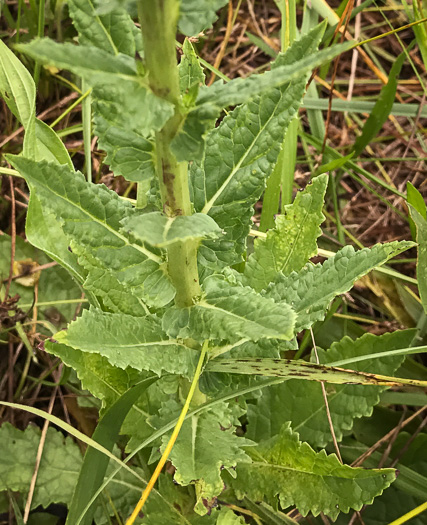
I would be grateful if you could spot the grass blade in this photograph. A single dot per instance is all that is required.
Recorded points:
(307, 371)
(382, 108)
(95, 463)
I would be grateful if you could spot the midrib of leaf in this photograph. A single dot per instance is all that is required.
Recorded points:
(207, 207)
(275, 466)
(134, 78)
(283, 467)
(133, 345)
(291, 251)
(107, 34)
(232, 314)
(141, 249)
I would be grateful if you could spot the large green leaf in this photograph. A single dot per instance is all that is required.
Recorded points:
(241, 90)
(44, 232)
(116, 297)
(411, 481)
(388, 507)
(197, 15)
(127, 341)
(112, 32)
(107, 383)
(315, 482)
(103, 380)
(160, 231)
(92, 63)
(128, 152)
(49, 146)
(228, 312)
(19, 92)
(118, 87)
(205, 446)
(310, 290)
(90, 215)
(17, 86)
(276, 108)
(302, 403)
(291, 243)
(421, 235)
(240, 154)
(58, 470)
(191, 75)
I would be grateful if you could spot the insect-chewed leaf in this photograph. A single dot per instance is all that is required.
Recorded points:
(160, 231)
(127, 341)
(310, 290)
(230, 312)
(291, 243)
(315, 482)
(90, 216)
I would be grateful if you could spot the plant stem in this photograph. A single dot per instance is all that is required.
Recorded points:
(158, 23)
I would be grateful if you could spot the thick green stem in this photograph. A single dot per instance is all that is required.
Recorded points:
(159, 20)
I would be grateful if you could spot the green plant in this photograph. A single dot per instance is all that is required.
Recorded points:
(165, 297)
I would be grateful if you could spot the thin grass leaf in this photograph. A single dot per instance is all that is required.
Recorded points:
(95, 463)
(421, 236)
(382, 108)
(306, 371)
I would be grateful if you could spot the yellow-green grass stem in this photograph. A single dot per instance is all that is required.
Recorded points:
(411, 514)
(172, 439)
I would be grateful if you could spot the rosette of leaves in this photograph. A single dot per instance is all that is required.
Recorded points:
(161, 282)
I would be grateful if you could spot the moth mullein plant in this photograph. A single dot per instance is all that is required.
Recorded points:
(171, 277)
